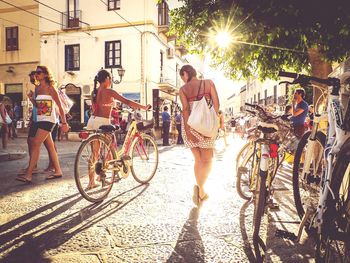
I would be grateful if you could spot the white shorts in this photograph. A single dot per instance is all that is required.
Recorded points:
(95, 122)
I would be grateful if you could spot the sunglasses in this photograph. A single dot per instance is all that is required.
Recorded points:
(39, 72)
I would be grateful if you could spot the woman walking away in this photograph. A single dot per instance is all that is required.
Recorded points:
(201, 146)
(102, 104)
(3, 124)
(46, 100)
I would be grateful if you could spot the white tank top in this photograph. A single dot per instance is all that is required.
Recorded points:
(45, 107)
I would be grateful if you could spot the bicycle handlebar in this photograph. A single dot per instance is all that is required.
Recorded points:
(305, 80)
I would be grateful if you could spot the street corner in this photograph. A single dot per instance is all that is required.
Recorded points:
(12, 155)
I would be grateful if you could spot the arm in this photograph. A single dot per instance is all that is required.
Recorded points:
(214, 96)
(130, 103)
(55, 97)
(185, 114)
(297, 112)
(3, 112)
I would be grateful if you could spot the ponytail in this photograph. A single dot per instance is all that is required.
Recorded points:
(101, 76)
(94, 93)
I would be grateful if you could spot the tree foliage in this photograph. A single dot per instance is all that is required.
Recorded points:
(267, 35)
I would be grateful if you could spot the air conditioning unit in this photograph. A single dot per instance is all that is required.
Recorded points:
(170, 52)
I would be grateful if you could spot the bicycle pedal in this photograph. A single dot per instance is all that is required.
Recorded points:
(285, 235)
(273, 206)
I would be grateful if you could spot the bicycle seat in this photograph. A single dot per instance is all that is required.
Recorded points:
(145, 125)
(267, 128)
(109, 128)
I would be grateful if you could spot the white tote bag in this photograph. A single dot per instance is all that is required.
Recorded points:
(203, 118)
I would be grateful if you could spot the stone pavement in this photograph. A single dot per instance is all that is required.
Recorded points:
(48, 221)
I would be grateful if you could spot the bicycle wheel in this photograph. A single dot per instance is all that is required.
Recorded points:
(144, 158)
(94, 174)
(246, 178)
(306, 190)
(334, 245)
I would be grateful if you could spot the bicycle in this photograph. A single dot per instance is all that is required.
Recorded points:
(98, 159)
(329, 220)
(264, 163)
(245, 183)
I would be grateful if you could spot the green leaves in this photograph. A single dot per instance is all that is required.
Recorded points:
(267, 35)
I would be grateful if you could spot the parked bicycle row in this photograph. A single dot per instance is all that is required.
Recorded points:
(321, 167)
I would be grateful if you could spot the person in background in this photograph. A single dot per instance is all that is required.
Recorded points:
(300, 110)
(222, 126)
(10, 127)
(4, 126)
(17, 116)
(166, 126)
(311, 116)
(178, 127)
(201, 146)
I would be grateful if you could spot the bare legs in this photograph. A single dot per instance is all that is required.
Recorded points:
(34, 146)
(202, 167)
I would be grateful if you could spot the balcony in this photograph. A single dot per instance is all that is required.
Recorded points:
(169, 82)
(71, 20)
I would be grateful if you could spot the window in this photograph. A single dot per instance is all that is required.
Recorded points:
(72, 57)
(11, 38)
(113, 54)
(163, 14)
(113, 4)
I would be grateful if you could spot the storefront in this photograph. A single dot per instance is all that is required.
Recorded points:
(76, 115)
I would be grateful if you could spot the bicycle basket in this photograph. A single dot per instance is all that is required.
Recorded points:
(145, 125)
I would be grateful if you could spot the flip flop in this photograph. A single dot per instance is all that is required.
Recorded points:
(24, 171)
(52, 176)
(49, 170)
(23, 180)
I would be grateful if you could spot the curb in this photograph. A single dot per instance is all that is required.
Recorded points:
(10, 156)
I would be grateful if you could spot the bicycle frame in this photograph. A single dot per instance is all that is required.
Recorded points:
(335, 139)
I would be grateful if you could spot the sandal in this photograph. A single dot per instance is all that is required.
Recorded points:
(24, 171)
(23, 179)
(53, 176)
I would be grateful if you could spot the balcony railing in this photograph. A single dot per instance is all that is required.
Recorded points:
(71, 20)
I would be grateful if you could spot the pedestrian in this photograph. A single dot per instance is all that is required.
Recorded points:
(17, 110)
(178, 127)
(222, 126)
(9, 111)
(201, 146)
(311, 116)
(4, 123)
(45, 102)
(166, 126)
(102, 103)
(300, 110)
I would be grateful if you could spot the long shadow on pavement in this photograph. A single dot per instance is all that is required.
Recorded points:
(28, 244)
(189, 246)
(248, 250)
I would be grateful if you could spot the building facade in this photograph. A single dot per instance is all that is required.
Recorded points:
(20, 50)
(111, 34)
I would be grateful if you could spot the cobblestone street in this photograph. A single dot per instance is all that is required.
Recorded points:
(48, 221)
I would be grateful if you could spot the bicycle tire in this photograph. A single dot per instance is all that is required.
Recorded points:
(259, 209)
(137, 159)
(336, 222)
(298, 200)
(242, 170)
(241, 184)
(82, 161)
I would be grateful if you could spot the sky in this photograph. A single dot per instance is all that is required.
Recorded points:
(225, 86)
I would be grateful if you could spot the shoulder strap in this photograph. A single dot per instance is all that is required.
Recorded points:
(199, 89)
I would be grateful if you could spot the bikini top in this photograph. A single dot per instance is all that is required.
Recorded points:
(200, 96)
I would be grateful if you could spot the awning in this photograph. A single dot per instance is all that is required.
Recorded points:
(135, 96)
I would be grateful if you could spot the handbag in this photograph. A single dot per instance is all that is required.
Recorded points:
(8, 120)
(66, 102)
(203, 117)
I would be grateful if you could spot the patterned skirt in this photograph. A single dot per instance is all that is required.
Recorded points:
(203, 142)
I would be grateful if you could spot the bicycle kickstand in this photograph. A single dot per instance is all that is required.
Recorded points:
(309, 211)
